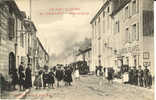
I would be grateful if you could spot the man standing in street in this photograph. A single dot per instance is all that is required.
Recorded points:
(140, 76)
(28, 78)
(21, 76)
(146, 70)
(135, 72)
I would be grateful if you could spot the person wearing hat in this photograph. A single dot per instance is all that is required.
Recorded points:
(51, 78)
(59, 75)
(14, 77)
(130, 75)
(21, 76)
(146, 70)
(135, 73)
(140, 76)
(28, 78)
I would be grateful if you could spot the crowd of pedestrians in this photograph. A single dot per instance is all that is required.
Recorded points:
(130, 75)
(140, 77)
(45, 78)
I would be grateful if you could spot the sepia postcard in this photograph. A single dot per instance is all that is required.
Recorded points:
(77, 50)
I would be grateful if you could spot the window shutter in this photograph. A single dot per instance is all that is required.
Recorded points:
(137, 7)
(137, 32)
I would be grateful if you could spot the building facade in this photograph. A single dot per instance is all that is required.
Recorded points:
(17, 39)
(42, 57)
(9, 17)
(122, 34)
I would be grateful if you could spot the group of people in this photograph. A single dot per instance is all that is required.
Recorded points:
(140, 77)
(130, 75)
(58, 73)
(22, 77)
(102, 72)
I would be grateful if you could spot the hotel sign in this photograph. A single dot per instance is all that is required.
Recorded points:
(133, 50)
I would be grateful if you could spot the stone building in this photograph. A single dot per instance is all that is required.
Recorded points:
(17, 38)
(10, 15)
(122, 34)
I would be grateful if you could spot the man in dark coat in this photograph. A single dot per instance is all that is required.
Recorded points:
(146, 71)
(28, 78)
(15, 79)
(45, 78)
(131, 78)
(69, 76)
(21, 76)
(135, 73)
(59, 75)
(140, 76)
(51, 78)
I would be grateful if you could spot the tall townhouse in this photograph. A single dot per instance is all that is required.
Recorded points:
(101, 33)
(9, 14)
(31, 38)
(42, 56)
(125, 29)
(133, 33)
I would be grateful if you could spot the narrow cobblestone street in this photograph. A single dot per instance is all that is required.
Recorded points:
(88, 88)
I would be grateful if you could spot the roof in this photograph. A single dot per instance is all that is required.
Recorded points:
(100, 11)
(13, 5)
(118, 5)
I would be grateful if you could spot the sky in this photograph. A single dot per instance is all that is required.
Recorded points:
(57, 32)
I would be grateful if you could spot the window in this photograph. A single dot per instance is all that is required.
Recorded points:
(134, 32)
(103, 26)
(99, 26)
(22, 40)
(11, 24)
(134, 7)
(103, 14)
(117, 27)
(127, 35)
(127, 12)
(0, 18)
(108, 9)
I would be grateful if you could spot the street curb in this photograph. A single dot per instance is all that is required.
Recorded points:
(23, 94)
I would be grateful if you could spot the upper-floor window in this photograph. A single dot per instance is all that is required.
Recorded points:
(134, 32)
(0, 18)
(11, 28)
(22, 40)
(117, 27)
(99, 26)
(134, 7)
(108, 9)
(127, 35)
(127, 12)
(103, 14)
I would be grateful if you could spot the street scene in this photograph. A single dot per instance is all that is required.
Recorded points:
(77, 49)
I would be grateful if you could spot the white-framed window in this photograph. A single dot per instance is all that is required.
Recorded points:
(99, 26)
(103, 14)
(134, 32)
(127, 35)
(127, 11)
(134, 7)
(117, 27)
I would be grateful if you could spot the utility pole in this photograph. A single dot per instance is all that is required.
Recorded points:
(30, 8)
